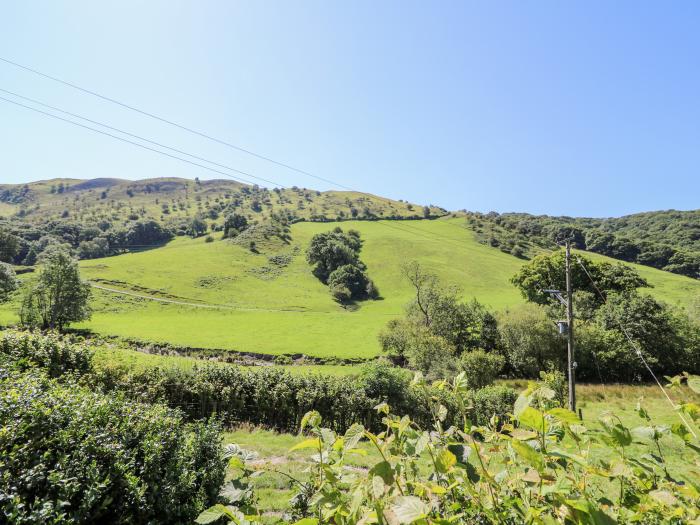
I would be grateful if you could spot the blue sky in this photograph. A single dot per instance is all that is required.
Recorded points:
(576, 108)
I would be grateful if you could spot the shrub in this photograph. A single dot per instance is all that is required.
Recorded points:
(50, 352)
(494, 400)
(69, 455)
(351, 280)
(481, 368)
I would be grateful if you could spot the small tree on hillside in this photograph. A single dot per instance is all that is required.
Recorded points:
(59, 296)
(234, 224)
(8, 282)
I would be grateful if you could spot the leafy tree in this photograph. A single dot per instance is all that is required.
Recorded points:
(329, 251)
(8, 281)
(197, 226)
(234, 224)
(146, 233)
(9, 246)
(529, 341)
(548, 272)
(463, 325)
(481, 368)
(60, 296)
(351, 282)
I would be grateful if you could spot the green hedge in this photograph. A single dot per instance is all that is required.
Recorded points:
(266, 396)
(277, 399)
(50, 352)
(70, 455)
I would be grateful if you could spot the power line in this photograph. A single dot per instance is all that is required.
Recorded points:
(172, 123)
(638, 350)
(75, 115)
(202, 134)
(126, 140)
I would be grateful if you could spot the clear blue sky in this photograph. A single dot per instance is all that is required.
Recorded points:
(577, 108)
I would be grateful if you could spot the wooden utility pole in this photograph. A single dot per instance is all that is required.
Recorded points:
(570, 330)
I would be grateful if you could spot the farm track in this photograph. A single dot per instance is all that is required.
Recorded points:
(202, 305)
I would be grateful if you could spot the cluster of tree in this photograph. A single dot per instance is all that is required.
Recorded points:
(336, 259)
(23, 243)
(609, 306)
(441, 335)
(666, 240)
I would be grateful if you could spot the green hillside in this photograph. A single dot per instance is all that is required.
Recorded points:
(248, 302)
(170, 199)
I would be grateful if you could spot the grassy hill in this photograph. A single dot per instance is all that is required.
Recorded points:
(269, 302)
(169, 199)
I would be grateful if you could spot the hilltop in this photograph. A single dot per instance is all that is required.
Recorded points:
(171, 199)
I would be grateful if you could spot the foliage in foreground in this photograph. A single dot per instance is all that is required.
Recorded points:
(542, 466)
(69, 455)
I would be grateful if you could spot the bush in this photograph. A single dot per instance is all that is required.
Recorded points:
(50, 352)
(481, 368)
(494, 400)
(69, 455)
(349, 280)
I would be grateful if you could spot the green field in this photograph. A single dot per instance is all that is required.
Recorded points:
(247, 303)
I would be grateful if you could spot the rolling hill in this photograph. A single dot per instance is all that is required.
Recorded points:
(221, 295)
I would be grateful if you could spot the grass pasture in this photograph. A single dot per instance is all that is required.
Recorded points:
(223, 296)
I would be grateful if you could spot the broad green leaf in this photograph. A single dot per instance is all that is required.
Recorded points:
(444, 461)
(442, 412)
(311, 418)
(409, 509)
(521, 404)
(306, 521)
(664, 497)
(564, 415)
(378, 487)
(528, 453)
(212, 514)
(384, 470)
(314, 443)
(534, 419)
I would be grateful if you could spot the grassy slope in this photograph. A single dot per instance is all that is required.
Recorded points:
(292, 312)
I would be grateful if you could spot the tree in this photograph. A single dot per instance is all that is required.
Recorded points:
(60, 296)
(548, 272)
(234, 224)
(9, 246)
(529, 341)
(463, 325)
(197, 226)
(351, 282)
(8, 281)
(329, 251)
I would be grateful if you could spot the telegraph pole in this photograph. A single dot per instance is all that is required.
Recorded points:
(570, 330)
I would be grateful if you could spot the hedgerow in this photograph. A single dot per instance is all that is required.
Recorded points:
(277, 399)
(70, 455)
(537, 466)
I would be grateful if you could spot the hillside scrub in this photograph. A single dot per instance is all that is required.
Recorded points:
(438, 327)
(667, 240)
